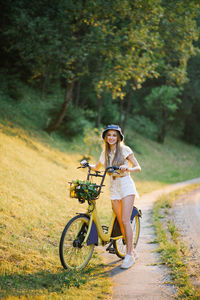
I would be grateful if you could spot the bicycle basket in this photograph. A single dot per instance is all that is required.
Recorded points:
(83, 190)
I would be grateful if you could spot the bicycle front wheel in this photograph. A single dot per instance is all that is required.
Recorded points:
(74, 254)
(120, 246)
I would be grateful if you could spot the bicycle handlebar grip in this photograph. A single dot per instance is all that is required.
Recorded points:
(112, 169)
(115, 167)
(84, 164)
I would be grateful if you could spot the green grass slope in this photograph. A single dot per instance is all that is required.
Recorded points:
(171, 162)
(34, 208)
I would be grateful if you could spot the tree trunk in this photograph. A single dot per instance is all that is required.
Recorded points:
(44, 84)
(77, 94)
(128, 106)
(60, 117)
(163, 128)
(161, 135)
(99, 111)
(120, 112)
(45, 81)
(84, 101)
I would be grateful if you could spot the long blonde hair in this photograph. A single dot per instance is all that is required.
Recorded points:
(118, 158)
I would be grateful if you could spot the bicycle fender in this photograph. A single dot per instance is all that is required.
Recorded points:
(135, 212)
(93, 236)
(116, 231)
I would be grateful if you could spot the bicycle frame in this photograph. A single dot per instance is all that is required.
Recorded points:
(92, 212)
(105, 237)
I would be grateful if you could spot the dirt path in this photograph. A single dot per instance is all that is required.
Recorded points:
(146, 279)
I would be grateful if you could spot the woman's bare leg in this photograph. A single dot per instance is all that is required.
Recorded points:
(126, 210)
(117, 208)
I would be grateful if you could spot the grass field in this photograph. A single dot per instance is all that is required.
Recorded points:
(35, 206)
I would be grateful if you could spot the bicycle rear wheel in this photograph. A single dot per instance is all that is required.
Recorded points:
(120, 246)
(74, 254)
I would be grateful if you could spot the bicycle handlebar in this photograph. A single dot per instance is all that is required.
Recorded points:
(85, 164)
(111, 169)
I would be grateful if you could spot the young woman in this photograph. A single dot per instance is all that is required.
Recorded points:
(122, 187)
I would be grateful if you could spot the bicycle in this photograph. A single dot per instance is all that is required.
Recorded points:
(84, 231)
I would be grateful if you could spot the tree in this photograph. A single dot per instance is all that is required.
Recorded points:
(178, 30)
(113, 41)
(190, 109)
(162, 103)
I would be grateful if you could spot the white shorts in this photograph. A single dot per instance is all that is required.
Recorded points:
(121, 187)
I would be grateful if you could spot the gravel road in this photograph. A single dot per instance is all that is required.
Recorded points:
(186, 216)
(146, 279)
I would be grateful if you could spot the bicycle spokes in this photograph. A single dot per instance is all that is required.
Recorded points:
(74, 252)
(120, 245)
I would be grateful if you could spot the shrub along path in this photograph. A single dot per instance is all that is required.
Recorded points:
(147, 279)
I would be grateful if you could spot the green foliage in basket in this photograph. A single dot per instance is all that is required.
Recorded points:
(83, 190)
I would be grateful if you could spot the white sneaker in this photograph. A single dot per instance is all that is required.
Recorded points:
(127, 262)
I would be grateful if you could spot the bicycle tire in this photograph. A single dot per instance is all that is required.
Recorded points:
(73, 253)
(119, 244)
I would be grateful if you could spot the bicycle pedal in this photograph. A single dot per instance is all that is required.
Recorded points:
(109, 246)
(105, 228)
(112, 251)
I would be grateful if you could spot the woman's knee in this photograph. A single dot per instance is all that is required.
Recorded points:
(125, 221)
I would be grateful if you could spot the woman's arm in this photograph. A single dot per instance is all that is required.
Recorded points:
(96, 167)
(134, 162)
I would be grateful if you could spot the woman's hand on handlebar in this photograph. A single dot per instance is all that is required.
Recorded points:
(84, 163)
(123, 168)
(112, 169)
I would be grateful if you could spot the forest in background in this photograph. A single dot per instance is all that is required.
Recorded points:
(87, 63)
